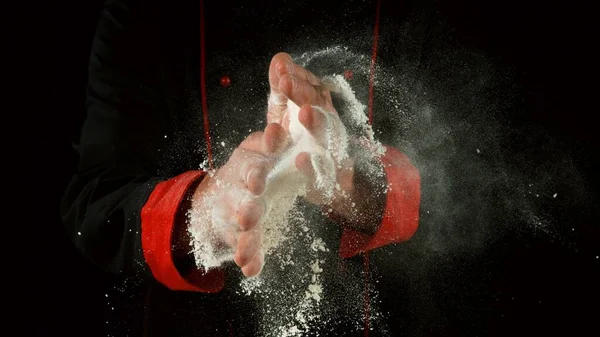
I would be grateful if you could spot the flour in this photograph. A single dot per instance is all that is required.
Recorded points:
(356, 112)
(303, 312)
(284, 183)
(315, 289)
(325, 158)
(295, 309)
(283, 186)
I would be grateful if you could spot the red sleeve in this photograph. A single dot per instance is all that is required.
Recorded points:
(158, 217)
(401, 217)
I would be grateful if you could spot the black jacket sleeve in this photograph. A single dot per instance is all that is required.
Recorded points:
(119, 143)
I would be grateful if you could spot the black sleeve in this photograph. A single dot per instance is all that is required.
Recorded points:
(119, 143)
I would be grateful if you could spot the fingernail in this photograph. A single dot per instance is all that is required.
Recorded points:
(250, 217)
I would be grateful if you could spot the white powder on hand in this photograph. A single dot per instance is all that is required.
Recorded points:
(284, 185)
(296, 309)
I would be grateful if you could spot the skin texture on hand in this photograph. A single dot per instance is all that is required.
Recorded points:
(249, 165)
(246, 170)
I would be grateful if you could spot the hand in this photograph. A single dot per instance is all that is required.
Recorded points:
(291, 82)
(293, 86)
(357, 203)
(234, 192)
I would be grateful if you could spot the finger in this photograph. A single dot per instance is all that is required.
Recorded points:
(281, 64)
(255, 266)
(303, 74)
(254, 142)
(300, 91)
(314, 121)
(275, 138)
(281, 69)
(249, 170)
(250, 165)
(250, 213)
(254, 176)
(248, 245)
(228, 235)
(304, 165)
(276, 108)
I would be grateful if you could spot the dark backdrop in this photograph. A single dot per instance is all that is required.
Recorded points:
(549, 46)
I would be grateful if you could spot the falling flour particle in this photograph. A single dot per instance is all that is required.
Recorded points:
(251, 285)
(204, 165)
(308, 310)
(357, 113)
(314, 292)
(315, 289)
(318, 245)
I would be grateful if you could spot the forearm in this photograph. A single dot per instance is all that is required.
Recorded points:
(127, 223)
(123, 207)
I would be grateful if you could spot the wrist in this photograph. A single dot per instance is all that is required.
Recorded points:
(180, 238)
(200, 191)
(207, 237)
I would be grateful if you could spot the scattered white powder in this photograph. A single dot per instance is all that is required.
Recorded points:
(357, 112)
(324, 157)
(318, 245)
(307, 311)
(315, 289)
(204, 165)
(298, 310)
(284, 185)
(251, 285)
(210, 224)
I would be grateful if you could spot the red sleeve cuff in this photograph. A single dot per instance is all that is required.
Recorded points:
(158, 217)
(401, 217)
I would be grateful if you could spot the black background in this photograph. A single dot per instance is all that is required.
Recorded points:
(549, 45)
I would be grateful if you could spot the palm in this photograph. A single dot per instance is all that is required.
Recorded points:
(291, 82)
